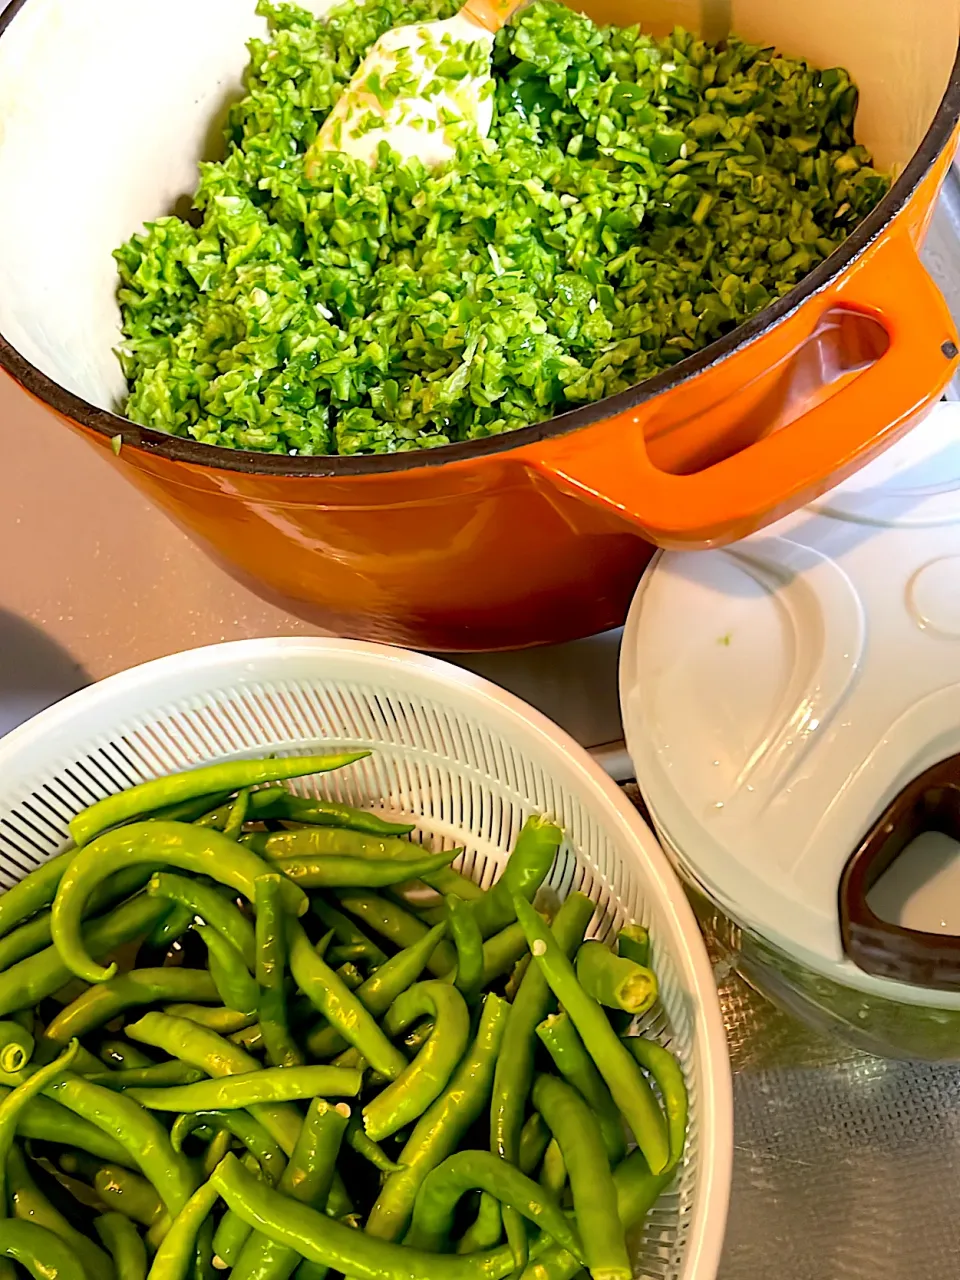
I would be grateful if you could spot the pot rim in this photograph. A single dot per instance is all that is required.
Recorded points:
(103, 422)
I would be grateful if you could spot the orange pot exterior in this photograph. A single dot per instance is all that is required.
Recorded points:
(545, 542)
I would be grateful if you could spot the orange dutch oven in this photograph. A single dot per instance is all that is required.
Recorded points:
(527, 538)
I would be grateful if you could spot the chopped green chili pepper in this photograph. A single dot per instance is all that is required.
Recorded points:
(633, 943)
(228, 776)
(614, 980)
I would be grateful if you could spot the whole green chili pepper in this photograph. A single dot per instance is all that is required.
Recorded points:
(240, 1125)
(284, 804)
(32, 980)
(174, 1257)
(45, 1121)
(174, 925)
(514, 1076)
(623, 1076)
(235, 987)
(258, 804)
(637, 1191)
(486, 1229)
(425, 1078)
(224, 1021)
(465, 1171)
(527, 867)
(633, 943)
(308, 1179)
(443, 1125)
(35, 891)
(228, 776)
(380, 990)
(534, 1140)
(41, 1253)
(668, 1077)
(559, 1036)
(397, 926)
(264, 1086)
(237, 815)
(469, 943)
(347, 933)
(16, 1046)
(101, 1004)
(156, 1075)
(140, 1133)
(216, 1056)
(14, 1103)
(615, 981)
(195, 849)
(320, 1239)
(271, 967)
(332, 871)
(129, 1194)
(341, 1007)
(30, 1204)
(212, 908)
(317, 841)
(591, 1182)
(122, 1240)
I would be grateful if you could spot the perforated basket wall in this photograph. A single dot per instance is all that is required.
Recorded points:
(469, 761)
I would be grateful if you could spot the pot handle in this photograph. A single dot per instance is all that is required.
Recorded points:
(930, 803)
(608, 463)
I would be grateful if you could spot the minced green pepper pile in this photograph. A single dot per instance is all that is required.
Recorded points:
(636, 199)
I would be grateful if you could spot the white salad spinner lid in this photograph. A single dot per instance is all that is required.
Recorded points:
(778, 694)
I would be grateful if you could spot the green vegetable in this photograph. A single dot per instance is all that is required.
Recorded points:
(636, 199)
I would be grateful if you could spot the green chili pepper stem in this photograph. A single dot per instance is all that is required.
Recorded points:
(176, 1251)
(615, 981)
(42, 1254)
(216, 1056)
(256, 1088)
(425, 1078)
(14, 1103)
(341, 1007)
(29, 1203)
(623, 1077)
(228, 776)
(443, 1125)
(380, 990)
(32, 980)
(465, 1171)
(633, 943)
(195, 849)
(526, 869)
(320, 1239)
(559, 1036)
(211, 907)
(668, 1077)
(308, 1179)
(271, 968)
(122, 1240)
(101, 1004)
(576, 1131)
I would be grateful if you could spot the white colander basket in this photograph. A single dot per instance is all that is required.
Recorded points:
(469, 762)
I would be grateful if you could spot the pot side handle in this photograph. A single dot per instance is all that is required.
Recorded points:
(607, 463)
(932, 960)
